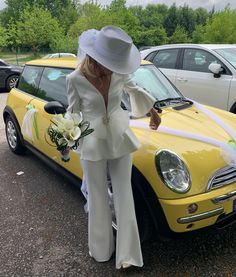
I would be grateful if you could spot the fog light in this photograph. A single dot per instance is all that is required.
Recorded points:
(192, 208)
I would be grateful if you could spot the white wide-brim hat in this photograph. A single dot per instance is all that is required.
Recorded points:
(112, 48)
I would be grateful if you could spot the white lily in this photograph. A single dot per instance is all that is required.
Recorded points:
(72, 135)
(62, 141)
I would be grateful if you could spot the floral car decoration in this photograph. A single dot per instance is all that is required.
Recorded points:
(183, 175)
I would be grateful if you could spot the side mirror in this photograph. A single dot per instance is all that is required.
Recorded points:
(216, 69)
(54, 107)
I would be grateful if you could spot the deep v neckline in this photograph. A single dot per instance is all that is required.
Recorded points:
(105, 101)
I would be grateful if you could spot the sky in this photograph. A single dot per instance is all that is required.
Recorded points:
(207, 4)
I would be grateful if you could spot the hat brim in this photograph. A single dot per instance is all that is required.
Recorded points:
(127, 66)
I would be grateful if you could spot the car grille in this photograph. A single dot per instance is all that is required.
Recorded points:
(223, 176)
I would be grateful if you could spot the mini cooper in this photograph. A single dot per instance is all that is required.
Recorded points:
(184, 174)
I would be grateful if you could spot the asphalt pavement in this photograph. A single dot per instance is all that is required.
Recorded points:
(43, 230)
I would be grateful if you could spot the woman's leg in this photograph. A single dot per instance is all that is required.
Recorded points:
(128, 248)
(100, 234)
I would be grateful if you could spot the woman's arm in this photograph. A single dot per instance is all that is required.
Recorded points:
(72, 96)
(141, 102)
(155, 119)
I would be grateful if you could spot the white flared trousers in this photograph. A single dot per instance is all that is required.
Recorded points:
(100, 234)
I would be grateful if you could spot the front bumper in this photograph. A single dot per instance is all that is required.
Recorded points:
(214, 207)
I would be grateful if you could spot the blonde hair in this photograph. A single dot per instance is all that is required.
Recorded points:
(89, 67)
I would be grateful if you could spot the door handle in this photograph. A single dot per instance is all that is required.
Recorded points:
(182, 80)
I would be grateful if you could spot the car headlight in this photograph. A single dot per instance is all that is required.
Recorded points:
(173, 171)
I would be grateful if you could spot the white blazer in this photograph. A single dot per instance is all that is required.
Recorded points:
(112, 136)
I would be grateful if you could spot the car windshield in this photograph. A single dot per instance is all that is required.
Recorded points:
(229, 54)
(154, 82)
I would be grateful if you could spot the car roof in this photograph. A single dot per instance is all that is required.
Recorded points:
(67, 62)
(182, 45)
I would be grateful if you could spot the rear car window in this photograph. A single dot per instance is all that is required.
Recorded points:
(166, 58)
(53, 85)
(29, 79)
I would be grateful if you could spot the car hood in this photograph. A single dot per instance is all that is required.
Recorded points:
(178, 132)
(15, 67)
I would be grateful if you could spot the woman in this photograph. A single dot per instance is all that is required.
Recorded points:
(95, 89)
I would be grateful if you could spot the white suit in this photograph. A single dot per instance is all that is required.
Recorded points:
(110, 145)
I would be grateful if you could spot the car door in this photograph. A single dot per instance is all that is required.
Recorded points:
(52, 87)
(25, 92)
(2, 74)
(196, 81)
(166, 60)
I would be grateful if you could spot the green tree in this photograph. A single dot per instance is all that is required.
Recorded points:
(118, 14)
(64, 43)
(36, 28)
(179, 36)
(63, 10)
(92, 16)
(199, 34)
(221, 28)
(171, 20)
(152, 36)
(3, 37)
(187, 19)
(201, 16)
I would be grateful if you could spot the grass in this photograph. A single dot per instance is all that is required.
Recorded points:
(20, 59)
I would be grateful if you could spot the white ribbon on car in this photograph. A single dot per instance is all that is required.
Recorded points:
(228, 149)
(29, 126)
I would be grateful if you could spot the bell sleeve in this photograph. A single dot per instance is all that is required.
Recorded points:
(72, 96)
(140, 100)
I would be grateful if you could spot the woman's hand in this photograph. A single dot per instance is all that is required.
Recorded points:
(155, 119)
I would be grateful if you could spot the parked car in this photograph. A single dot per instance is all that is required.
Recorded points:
(9, 75)
(59, 55)
(206, 73)
(183, 176)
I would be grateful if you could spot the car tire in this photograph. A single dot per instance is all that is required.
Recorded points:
(13, 136)
(11, 82)
(144, 220)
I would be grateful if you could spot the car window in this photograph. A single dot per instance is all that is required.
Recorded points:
(166, 58)
(154, 82)
(29, 79)
(229, 54)
(53, 85)
(198, 60)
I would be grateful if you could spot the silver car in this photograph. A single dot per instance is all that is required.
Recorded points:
(203, 72)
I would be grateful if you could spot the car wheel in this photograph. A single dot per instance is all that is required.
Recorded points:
(11, 82)
(144, 221)
(13, 136)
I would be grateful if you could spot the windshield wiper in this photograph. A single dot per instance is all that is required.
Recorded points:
(169, 101)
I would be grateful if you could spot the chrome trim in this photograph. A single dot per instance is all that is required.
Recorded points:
(225, 197)
(197, 217)
(221, 177)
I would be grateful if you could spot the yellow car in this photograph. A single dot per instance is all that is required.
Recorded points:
(184, 174)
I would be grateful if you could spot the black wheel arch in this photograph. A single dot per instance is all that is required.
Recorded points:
(233, 108)
(141, 185)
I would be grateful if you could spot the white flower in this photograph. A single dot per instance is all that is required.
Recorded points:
(72, 135)
(62, 141)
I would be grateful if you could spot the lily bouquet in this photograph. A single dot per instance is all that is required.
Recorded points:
(66, 130)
